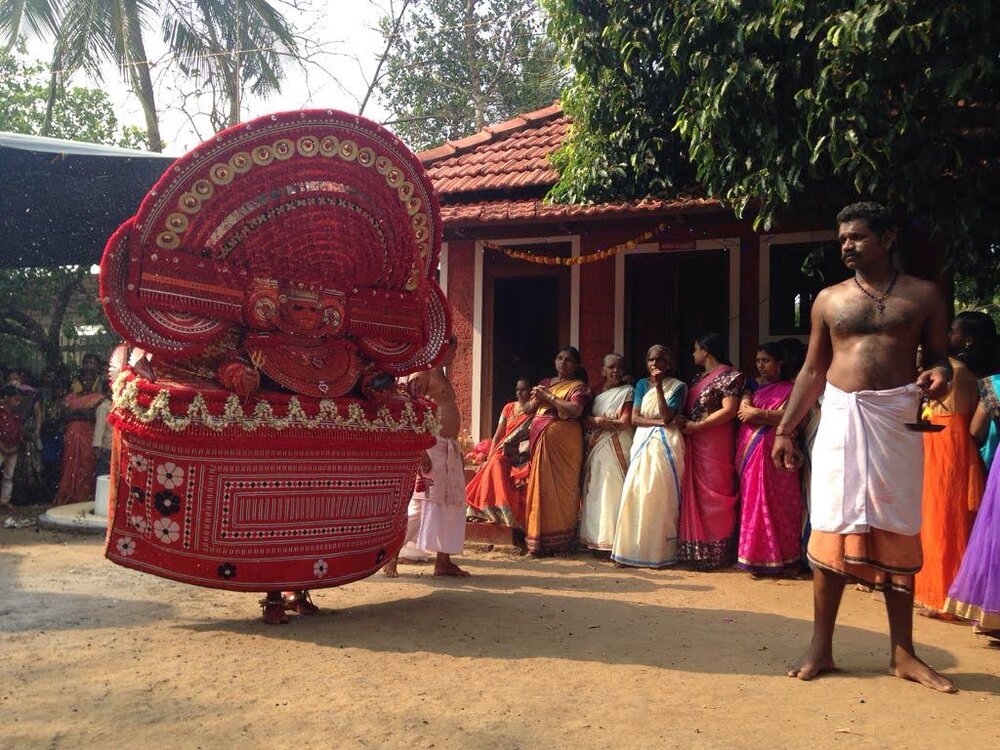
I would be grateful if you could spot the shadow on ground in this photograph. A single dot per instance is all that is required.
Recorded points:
(525, 625)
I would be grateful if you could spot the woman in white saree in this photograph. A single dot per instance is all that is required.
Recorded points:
(646, 535)
(609, 442)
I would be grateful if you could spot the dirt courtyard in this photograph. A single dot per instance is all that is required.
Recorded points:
(557, 653)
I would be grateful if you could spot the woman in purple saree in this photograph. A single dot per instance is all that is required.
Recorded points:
(770, 499)
(708, 497)
(975, 592)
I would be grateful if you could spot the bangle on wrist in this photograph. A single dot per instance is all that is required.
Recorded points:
(783, 431)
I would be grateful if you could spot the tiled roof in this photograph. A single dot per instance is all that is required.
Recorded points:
(511, 155)
(472, 175)
(529, 209)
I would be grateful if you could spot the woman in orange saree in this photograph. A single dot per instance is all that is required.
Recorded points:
(953, 471)
(552, 498)
(76, 484)
(493, 495)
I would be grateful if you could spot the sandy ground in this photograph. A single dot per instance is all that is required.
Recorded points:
(565, 652)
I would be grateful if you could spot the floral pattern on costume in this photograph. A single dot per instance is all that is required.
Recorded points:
(320, 568)
(169, 475)
(167, 531)
(140, 524)
(226, 570)
(125, 545)
(167, 502)
(139, 463)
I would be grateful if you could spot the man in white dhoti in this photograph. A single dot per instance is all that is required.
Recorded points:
(436, 520)
(867, 468)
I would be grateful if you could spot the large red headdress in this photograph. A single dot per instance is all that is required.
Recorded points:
(313, 235)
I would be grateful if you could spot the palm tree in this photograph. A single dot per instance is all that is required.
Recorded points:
(96, 31)
(233, 44)
(41, 19)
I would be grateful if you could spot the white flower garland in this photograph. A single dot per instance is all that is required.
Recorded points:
(125, 397)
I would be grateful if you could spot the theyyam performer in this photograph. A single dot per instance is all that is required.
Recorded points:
(867, 464)
(271, 287)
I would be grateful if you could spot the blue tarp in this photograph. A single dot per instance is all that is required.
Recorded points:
(60, 200)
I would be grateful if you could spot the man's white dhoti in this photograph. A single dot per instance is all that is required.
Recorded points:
(436, 517)
(867, 483)
(867, 468)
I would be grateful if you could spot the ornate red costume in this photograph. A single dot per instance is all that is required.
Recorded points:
(266, 275)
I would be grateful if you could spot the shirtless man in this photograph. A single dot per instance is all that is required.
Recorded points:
(867, 468)
(437, 520)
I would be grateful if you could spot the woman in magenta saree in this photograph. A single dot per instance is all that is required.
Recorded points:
(708, 497)
(770, 499)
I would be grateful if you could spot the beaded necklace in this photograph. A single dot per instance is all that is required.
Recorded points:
(879, 301)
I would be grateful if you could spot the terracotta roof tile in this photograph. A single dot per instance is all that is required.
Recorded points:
(510, 211)
(511, 154)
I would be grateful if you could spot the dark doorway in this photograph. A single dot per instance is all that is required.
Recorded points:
(671, 298)
(525, 334)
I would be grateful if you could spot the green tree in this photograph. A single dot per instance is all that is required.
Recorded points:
(42, 307)
(81, 113)
(782, 102)
(459, 65)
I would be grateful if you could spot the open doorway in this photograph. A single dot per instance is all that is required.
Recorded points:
(671, 298)
(526, 319)
(525, 333)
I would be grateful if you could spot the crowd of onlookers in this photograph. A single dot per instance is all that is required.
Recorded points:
(660, 472)
(54, 435)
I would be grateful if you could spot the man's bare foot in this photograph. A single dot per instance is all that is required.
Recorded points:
(811, 665)
(389, 569)
(450, 569)
(909, 667)
(937, 614)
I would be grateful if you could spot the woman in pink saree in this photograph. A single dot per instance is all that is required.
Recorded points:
(709, 493)
(770, 499)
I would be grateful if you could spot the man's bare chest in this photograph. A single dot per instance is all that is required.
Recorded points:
(857, 317)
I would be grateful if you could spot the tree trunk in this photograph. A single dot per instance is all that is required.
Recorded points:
(472, 57)
(138, 70)
(53, 92)
(59, 308)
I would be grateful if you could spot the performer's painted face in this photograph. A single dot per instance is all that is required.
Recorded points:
(301, 316)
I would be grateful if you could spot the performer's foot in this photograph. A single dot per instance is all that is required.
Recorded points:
(389, 570)
(445, 567)
(299, 602)
(906, 665)
(812, 664)
(273, 606)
